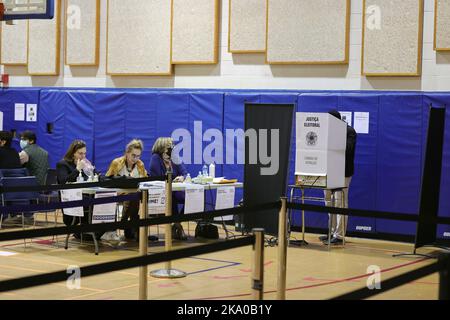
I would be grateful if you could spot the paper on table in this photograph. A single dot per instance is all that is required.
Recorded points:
(72, 195)
(217, 180)
(156, 200)
(194, 198)
(104, 213)
(31, 112)
(225, 200)
(362, 122)
(19, 112)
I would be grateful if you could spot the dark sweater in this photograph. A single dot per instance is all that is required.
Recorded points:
(9, 158)
(37, 163)
(67, 172)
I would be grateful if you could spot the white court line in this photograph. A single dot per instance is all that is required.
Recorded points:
(7, 254)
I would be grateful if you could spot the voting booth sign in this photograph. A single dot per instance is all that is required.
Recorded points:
(320, 150)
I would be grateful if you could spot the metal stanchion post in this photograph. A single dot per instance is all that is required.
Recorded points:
(143, 244)
(330, 217)
(444, 277)
(258, 265)
(168, 272)
(282, 251)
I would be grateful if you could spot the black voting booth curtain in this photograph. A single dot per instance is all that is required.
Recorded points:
(431, 180)
(259, 187)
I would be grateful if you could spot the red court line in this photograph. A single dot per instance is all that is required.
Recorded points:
(322, 284)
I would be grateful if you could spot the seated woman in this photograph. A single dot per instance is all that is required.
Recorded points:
(160, 162)
(68, 170)
(129, 165)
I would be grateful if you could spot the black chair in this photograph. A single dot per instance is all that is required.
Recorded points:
(13, 173)
(51, 197)
(19, 198)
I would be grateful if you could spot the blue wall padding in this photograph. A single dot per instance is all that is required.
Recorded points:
(110, 128)
(363, 187)
(399, 159)
(141, 121)
(234, 119)
(52, 107)
(206, 108)
(79, 120)
(172, 112)
(388, 160)
(8, 99)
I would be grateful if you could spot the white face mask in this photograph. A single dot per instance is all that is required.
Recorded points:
(23, 144)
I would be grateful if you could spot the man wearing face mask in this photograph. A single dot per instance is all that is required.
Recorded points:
(161, 161)
(33, 157)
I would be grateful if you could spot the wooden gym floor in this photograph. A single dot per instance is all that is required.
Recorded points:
(312, 271)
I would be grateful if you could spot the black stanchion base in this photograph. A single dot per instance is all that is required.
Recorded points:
(414, 253)
(298, 243)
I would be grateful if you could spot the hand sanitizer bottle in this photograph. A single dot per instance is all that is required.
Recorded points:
(212, 170)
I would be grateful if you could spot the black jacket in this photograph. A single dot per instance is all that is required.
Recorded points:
(350, 152)
(67, 172)
(9, 158)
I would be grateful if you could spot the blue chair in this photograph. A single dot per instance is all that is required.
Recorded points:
(13, 173)
(19, 198)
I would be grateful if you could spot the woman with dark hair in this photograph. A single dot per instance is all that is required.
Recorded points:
(160, 162)
(68, 170)
(74, 163)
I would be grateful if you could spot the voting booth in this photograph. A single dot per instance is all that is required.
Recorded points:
(320, 151)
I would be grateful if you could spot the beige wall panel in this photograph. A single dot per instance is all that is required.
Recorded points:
(392, 37)
(138, 40)
(194, 34)
(43, 45)
(442, 25)
(82, 27)
(305, 31)
(14, 42)
(247, 23)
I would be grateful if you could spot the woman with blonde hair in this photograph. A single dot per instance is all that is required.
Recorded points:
(129, 165)
(160, 162)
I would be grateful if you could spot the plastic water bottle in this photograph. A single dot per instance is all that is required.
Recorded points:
(205, 171)
(80, 178)
(188, 178)
(212, 170)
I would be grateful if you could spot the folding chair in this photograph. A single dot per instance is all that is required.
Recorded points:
(51, 196)
(19, 198)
